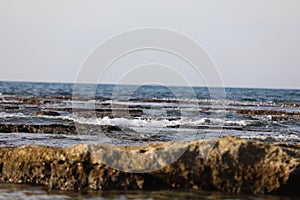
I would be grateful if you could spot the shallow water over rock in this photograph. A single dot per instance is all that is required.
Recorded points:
(25, 191)
(47, 115)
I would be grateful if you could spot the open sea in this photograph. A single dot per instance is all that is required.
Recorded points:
(143, 115)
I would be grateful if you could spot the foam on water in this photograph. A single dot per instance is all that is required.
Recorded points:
(12, 115)
(137, 122)
(158, 109)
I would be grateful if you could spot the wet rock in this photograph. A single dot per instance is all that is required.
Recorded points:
(48, 113)
(265, 112)
(10, 107)
(36, 128)
(112, 113)
(71, 128)
(228, 164)
(274, 115)
(128, 113)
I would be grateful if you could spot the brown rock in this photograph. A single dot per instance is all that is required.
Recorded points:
(265, 112)
(275, 115)
(232, 165)
(9, 107)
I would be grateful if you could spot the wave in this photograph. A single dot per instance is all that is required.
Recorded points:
(291, 138)
(11, 115)
(154, 122)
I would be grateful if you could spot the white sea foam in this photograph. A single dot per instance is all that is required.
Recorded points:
(156, 122)
(151, 124)
(277, 138)
(139, 122)
(6, 115)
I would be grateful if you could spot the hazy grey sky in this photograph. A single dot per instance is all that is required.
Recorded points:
(254, 43)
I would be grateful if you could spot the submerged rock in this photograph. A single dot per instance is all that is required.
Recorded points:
(69, 128)
(228, 164)
(47, 112)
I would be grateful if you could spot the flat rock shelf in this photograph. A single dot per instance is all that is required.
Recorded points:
(231, 165)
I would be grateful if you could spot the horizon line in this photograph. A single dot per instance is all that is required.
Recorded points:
(194, 86)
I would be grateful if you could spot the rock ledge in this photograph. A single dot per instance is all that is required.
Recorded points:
(232, 165)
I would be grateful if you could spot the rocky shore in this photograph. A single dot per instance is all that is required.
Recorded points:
(227, 164)
(232, 165)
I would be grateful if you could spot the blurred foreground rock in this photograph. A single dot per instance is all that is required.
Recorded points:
(228, 164)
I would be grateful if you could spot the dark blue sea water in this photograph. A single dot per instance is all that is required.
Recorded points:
(105, 91)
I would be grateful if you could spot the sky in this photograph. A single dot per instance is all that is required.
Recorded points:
(253, 43)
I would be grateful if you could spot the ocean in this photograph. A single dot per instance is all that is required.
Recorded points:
(143, 115)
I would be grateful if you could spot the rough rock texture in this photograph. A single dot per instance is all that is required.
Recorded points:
(228, 164)
(274, 114)
(57, 128)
